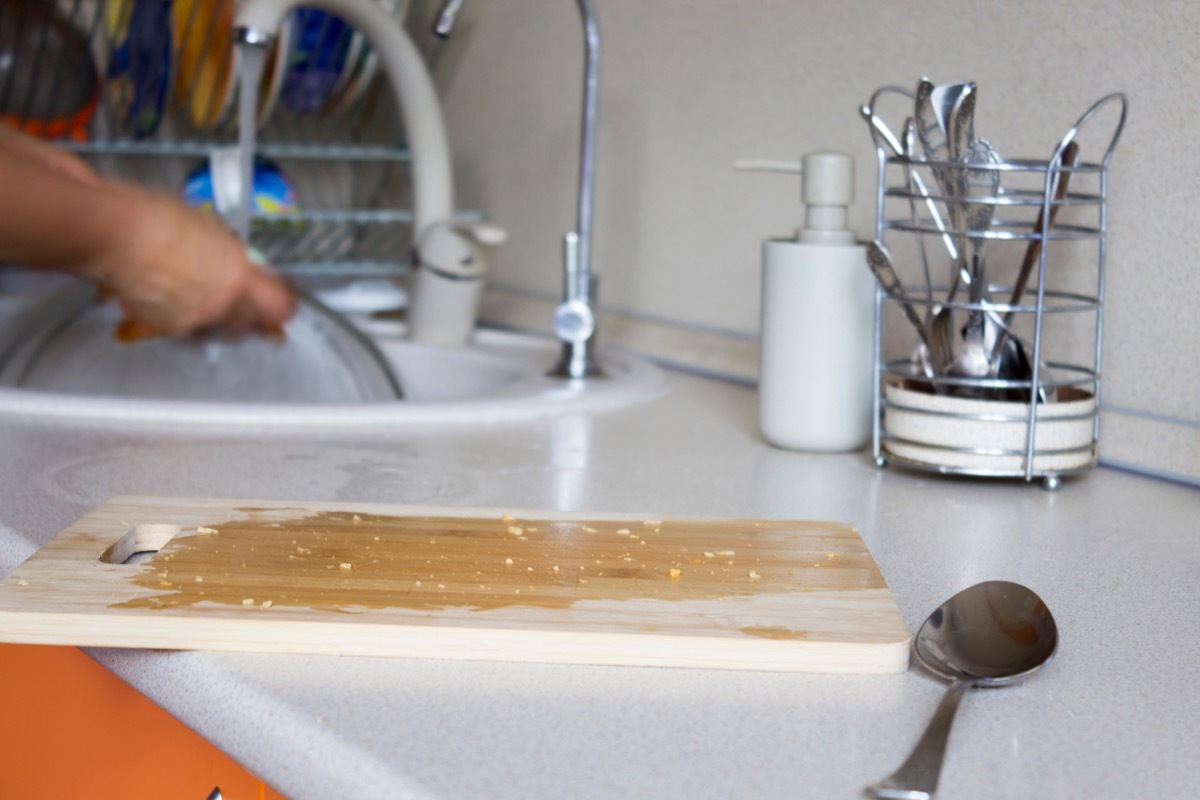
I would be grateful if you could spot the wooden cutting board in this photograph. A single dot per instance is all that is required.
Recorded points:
(488, 584)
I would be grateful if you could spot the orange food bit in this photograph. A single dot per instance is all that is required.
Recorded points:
(130, 330)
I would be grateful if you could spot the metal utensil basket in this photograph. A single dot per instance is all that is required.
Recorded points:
(987, 426)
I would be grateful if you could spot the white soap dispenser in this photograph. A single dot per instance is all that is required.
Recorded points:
(818, 304)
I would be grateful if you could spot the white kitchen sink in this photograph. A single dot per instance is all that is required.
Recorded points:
(499, 376)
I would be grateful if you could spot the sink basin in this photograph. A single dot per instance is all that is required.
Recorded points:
(498, 376)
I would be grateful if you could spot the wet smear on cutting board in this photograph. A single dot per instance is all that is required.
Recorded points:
(346, 562)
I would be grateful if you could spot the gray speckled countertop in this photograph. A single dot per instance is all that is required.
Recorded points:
(1116, 557)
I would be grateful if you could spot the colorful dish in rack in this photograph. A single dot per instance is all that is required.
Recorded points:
(207, 76)
(49, 83)
(139, 63)
(272, 194)
(331, 65)
(321, 50)
(360, 70)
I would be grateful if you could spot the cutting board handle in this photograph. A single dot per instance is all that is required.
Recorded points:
(148, 537)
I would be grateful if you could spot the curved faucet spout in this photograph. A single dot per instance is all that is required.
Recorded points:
(259, 21)
(587, 149)
(450, 265)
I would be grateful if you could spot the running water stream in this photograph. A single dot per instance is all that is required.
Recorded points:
(251, 58)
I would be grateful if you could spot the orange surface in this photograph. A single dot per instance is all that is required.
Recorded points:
(70, 728)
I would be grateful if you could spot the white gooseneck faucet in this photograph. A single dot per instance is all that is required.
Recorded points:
(451, 261)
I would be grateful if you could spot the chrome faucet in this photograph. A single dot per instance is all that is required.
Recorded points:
(574, 318)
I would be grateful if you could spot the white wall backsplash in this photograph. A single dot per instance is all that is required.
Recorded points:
(690, 86)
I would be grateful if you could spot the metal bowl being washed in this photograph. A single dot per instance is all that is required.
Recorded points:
(65, 344)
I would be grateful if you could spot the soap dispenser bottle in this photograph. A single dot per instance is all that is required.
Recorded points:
(815, 379)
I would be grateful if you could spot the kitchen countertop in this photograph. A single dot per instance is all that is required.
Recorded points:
(1115, 556)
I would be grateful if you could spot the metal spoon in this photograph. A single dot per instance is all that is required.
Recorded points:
(910, 153)
(945, 122)
(907, 150)
(970, 212)
(980, 186)
(1007, 352)
(884, 270)
(936, 110)
(1044, 220)
(947, 101)
(932, 135)
(992, 634)
(972, 360)
(990, 342)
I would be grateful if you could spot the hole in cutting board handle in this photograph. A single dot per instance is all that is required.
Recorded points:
(145, 539)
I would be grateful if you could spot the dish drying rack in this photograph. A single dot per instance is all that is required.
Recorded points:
(349, 169)
(986, 426)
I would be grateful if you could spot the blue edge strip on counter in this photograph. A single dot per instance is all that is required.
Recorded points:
(1108, 463)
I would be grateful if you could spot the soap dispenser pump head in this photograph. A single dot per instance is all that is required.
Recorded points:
(828, 191)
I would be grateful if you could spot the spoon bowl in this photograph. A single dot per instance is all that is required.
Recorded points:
(991, 634)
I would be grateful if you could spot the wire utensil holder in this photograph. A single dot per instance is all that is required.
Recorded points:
(1041, 421)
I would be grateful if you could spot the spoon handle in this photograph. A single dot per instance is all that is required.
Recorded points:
(880, 262)
(917, 778)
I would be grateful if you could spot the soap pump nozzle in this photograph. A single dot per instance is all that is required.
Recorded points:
(826, 189)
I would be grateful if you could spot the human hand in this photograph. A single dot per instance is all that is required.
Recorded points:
(175, 270)
(172, 268)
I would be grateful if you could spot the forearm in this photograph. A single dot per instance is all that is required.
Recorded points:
(37, 151)
(49, 219)
(172, 268)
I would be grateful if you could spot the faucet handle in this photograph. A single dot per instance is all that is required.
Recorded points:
(456, 249)
(453, 249)
(574, 321)
(447, 17)
(483, 232)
